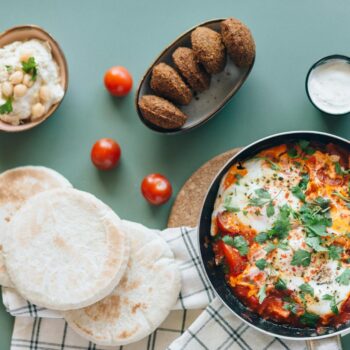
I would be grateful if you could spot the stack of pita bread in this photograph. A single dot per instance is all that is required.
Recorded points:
(64, 249)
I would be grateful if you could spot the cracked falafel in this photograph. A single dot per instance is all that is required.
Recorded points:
(209, 49)
(188, 66)
(166, 82)
(239, 42)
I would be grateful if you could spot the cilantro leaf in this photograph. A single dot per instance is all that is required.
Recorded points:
(333, 301)
(228, 240)
(290, 306)
(292, 153)
(261, 237)
(30, 67)
(270, 210)
(344, 278)
(283, 245)
(309, 319)
(280, 284)
(281, 226)
(6, 107)
(262, 294)
(301, 258)
(228, 206)
(297, 191)
(339, 169)
(315, 243)
(241, 245)
(304, 145)
(261, 264)
(307, 289)
(269, 247)
(335, 252)
(262, 193)
(263, 197)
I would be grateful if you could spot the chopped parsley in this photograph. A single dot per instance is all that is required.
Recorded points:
(270, 210)
(261, 237)
(299, 191)
(261, 264)
(290, 306)
(292, 153)
(270, 247)
(340, 170)
(238, 242)
(306, 289)
(305, 147)
(335, 252)
(333, 303)
(228, 206)
(309, 319)
(262, 197)
(6, 107)
(262, 294)
(345, 199)
(315, 217)
(280, 284)
(30, 67)
(301, 258)
(281, 226)
(315, 243)
(344, 278)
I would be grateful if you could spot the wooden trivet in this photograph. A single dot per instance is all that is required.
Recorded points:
(188, 203)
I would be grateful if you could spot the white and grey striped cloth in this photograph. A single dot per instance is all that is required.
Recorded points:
(188, 328)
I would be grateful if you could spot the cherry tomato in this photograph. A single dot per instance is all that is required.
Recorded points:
(156, 189)
(105, 154)
(227, 223)
(118, 81)
(235, 261)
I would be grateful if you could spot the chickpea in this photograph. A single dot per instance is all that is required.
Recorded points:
(45, 93)
(7, 89)
(16, 77)
(19, 90)
(38, 110)
(27, 80)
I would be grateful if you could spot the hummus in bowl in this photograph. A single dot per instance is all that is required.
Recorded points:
(33, 77)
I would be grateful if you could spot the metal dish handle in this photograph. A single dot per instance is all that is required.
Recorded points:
(330, 343)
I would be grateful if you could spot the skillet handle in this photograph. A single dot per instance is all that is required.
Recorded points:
(331, 343)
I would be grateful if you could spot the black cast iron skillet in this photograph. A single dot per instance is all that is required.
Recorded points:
(216, 275)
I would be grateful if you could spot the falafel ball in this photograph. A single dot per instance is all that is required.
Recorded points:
(209, 49)
(161, 112)
(166, 82)
(187, 64)
(239, 42)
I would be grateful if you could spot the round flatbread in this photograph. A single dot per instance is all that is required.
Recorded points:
(65, 249)
(140, 302)
(16, 186)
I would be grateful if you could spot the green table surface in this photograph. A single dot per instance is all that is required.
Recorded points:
(290, 36)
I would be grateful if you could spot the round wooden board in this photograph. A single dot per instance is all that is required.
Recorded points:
(188, 203)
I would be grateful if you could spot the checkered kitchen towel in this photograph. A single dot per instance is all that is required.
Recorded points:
(215, 328)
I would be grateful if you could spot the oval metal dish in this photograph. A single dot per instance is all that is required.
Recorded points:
(206, 104)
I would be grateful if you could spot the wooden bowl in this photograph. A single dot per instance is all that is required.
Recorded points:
(27, 32)
(204, 105)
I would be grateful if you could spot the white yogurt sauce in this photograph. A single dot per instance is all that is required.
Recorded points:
(48, 75)
(329, 86)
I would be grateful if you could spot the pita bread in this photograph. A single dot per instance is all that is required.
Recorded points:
(65, 249)
(16, 186)
(140, 302)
